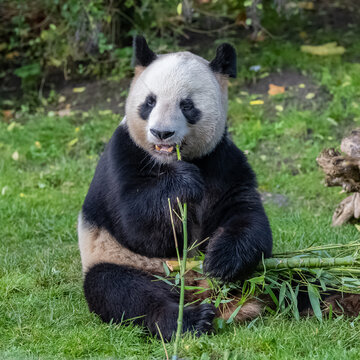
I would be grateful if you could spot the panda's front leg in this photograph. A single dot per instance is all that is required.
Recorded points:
(242, 237)
(117, 293)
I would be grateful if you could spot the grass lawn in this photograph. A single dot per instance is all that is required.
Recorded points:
(46, 165)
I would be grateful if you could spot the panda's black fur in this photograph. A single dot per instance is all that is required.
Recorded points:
(128, 197)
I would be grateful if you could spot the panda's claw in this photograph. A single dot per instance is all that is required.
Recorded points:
(199, 319)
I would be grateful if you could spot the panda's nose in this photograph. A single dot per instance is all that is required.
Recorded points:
(162, 135)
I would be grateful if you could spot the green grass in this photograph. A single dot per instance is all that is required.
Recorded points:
(43, 313)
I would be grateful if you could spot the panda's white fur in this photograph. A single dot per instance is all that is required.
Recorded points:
(173, 77)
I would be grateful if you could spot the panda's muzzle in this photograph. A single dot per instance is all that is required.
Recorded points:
(162, 135)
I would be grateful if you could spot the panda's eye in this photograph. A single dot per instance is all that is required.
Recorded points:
(186, 105)
(147, 106)
(150, 101)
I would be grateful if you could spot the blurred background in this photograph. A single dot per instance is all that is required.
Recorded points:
(47, 44)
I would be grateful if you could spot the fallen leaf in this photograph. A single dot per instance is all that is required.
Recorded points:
(332, 121)
(260, 37)
(306, 5)
(15, 156)
(323, 50)
(279, 108)
(179, 9)
(275, 90)
(79, 89)
(8, 114)
(240, 18)
(72, 142)
(257, 102)
(62, 98)
(302, 86)
(105, 112)
(11, 126)
(310, 96)
(11, 55)
(37, 144)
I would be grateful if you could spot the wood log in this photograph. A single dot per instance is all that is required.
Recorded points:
(344, 170)
(340, 170)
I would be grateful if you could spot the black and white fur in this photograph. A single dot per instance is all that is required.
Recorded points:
(124, 228)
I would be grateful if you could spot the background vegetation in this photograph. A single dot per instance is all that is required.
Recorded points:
(65, 69)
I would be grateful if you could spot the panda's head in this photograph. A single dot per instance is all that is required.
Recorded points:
(178, 98)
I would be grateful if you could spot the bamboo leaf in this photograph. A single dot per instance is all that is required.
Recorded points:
(294, 301)
(314, 297)
(323, 285)
(177, 279)
(257, 280)
(282, 293)
(272, 295)
(165, 280)
(188, 287)
(166, 269)
(218, 300)
(231, 318)
(219, 323)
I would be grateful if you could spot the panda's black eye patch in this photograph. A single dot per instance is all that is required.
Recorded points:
(186, 105)
(146, 107)
(189, 110)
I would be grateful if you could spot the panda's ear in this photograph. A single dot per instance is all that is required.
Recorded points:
(142, 55)
(224, 61)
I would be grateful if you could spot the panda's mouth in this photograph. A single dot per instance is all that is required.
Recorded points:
(164, 148)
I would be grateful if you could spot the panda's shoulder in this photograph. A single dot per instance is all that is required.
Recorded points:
(119, 152)
(111, 172)
(228, 163)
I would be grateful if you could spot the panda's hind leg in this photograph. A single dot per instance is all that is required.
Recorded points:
(117, 293)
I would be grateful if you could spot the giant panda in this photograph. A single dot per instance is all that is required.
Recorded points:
(124, 229)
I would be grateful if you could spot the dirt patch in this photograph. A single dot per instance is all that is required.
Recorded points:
(337, 15)
(100, 94)
(301, 91)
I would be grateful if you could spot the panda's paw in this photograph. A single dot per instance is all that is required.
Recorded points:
(199, 319)
(221, 259)
(188, 180)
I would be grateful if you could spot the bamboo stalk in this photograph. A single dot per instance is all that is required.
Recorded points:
(182, 285)
(173, 265)
(297, 262)
(183, 211)
(283, 263)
